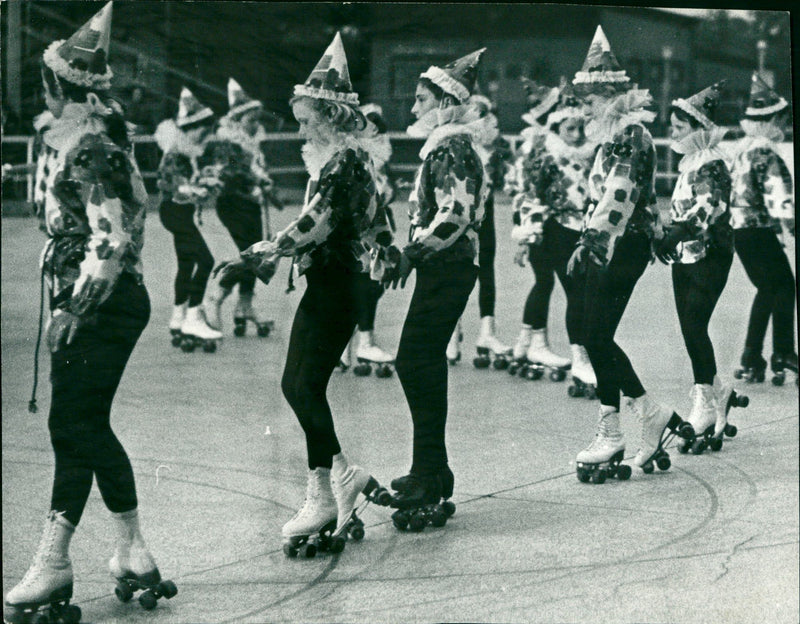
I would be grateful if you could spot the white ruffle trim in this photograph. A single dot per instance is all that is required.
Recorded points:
(687, 108)
(596, 77)
(450, 85)
(562, 114)
(327, 94)
(780, 105)
(80, 77)
(203, 113)
(243, 108)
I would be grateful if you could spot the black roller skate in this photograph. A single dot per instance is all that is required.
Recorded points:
(150, 584)
(53, 609)
(423, 500)
(753, 367)
(780, 363)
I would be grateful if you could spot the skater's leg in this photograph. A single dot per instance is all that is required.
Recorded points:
(537, 305)
(487, 245)
(750, 244)
(368, 292)
(564, 241)
(697, 289)
(439, 299)
(242, 219)
(323, 325)
(176, 219)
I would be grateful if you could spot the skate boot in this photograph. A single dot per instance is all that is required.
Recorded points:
(584, 381)
(48, 582)
(727, 398)
(540, 356)
(659, 425)
(133, 565)
(344, 359)
(703, 418)
(603, 457)
(419, 501)
(490, 349)
(518, 360)
(175, 322)
(400, 484)
(780, 363)
(347, 482)
(216, 294)
(196, 333)
(368, 353)
(753, 367)
(244, 312)
(310, 529)
(453, 351)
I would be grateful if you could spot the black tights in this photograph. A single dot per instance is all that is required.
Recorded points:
(242, 218)
(697, 289)
(323, 325)
(487, 246)
(548, 259)
(85, 375)
(194, 258)
(439, 299)
(607, 292)
(768, 268)
(368, 292)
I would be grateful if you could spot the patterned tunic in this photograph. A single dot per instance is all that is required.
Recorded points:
(700, 201)
(762, 186)
(238, 167)
(449, 194)
(622, 195)
(336, 225)
(179, 179)
(94, 211)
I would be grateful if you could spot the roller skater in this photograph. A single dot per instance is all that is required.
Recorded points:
(443, 250)
(99, 307)
(762, 205)
(332, 241)
(245, 192)
(549, 200)
(612, 253)
(184, 188)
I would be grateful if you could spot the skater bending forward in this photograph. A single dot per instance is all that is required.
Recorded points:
(94, 212)
(330, 243)
(612, 253)
(447, 208)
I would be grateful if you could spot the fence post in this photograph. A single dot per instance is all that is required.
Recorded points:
(31, 174)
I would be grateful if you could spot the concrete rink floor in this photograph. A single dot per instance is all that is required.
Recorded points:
(220, 466)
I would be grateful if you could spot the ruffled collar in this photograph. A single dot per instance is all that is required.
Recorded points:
(379, 148)
(699, 147)
(455, 121)
(622, 111)
(765, 129)
(558, 148)
(233, 131)
(315, 156)
(76, 120)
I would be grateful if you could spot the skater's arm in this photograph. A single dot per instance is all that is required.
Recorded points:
(711, 190)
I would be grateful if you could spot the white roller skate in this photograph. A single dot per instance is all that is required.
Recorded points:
(659, 425)
(541, 357)
(196, 333)
(175, 323)
(727, 398)
(347, 482)
(490, 349)
(584, 381)
(453, 351)
(520, 350)
(244, 312)
(369, 354)
(133, 566)
(311, 527)
(215, 295)
(48, 582)
(703, 418)
(603, 457)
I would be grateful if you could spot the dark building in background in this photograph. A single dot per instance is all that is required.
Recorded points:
(269, 47)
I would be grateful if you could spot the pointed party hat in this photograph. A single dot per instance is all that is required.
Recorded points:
(763, 99)
(83, 58)
(568, 107)
(330, 79)
(191, 110)
(702, 106)
(238, 101)
(600, 66)
(544, 100)
(457, 78)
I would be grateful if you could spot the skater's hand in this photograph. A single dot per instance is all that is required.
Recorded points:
(399, 274)
(577, 261)
(62, 329)
(666, 251)
(521, 256)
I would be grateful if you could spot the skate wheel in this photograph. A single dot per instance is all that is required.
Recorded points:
(449, 508)
(210, 346)
(176, 340)
(731, 431)
(357, 533)
(663, 462)
(686, 431)
(337, 544)
(400, 520)
(598, 476)
(742, 400)
(290, 551)
(738, 373)
(778, 380)
(383, 372)
(591, 393)
(698, 447)
(532, 374)
(362, 370)
(168, 589)
(481, 362)
(239, 327)
(382, 497)
(187, 345)
(715, 444)
(558, 375)
(72, 614)
(683, 448)
(648, 467)
(123, 592)
(309, 551)
(263, 330)
(438, 518)
(417, 522)
(583, 475)
(148, 600)
(572, 391)
(500, 363)
(624, 472)
(38, 618)
(513, 368)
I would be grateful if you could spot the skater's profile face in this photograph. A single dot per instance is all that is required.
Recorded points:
(571, 131)
(593, 105)
(424, 101)
(313, 126)
(250, 123)
(678, 128)
(196, 135)
(54, 101)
